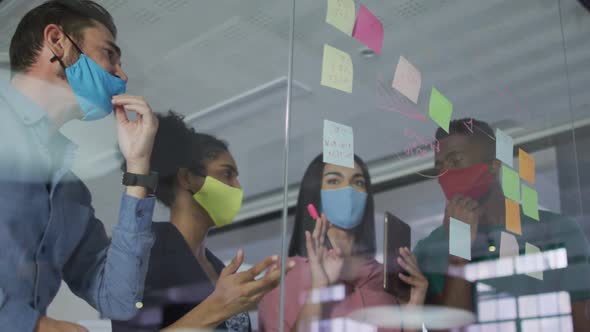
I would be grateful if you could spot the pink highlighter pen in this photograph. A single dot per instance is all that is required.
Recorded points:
(312, 211)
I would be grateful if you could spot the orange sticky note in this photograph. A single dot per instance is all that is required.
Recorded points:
(513, 217)
(526, 166)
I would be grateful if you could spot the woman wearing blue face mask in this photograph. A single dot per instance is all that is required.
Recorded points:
(186, 285)
(336, 272)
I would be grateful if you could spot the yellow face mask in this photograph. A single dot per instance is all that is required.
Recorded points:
(222, 202)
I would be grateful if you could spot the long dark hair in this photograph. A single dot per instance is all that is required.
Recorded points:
(310, 192)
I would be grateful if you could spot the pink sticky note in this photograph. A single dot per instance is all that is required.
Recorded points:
(368, 29)
(407, 79)
(312, 211)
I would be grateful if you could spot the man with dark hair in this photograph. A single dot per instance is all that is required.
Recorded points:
(66, 65)
(469, 178)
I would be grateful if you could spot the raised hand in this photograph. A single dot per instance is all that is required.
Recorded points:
(466, 210)
(326, 266)
(237, 292)
(418, 282)
(136, 138)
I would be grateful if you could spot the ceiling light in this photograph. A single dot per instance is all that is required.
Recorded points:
(367, 52)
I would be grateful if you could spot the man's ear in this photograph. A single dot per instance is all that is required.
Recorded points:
(495, 166)
(54, 39)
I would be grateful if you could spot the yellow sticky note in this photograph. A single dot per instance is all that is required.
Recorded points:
(513, 217)
(534, 261)
(341, 14)
(526, 166)
(337, 70)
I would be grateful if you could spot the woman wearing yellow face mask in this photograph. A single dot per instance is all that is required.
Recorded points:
(186, 285)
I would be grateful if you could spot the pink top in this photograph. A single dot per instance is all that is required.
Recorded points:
(366, 291)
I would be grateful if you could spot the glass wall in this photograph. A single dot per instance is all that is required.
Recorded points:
(469, 117)
(442, 145)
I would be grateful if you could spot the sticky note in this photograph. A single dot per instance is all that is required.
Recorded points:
(504, 148)
(338, 144)
(407, 79)
(440, 109)
(510, 183)
(508, 245)
(530, 202)
(341, 14)
(513, 217)
(368, 29)
(535, 259)
(526, 166)
(337, 71)
(460, 239)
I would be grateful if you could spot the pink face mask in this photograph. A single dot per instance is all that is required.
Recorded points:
(472, 182)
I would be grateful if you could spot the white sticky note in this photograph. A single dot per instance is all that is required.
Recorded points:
(534, 259)
(504, 147)
(337, 69)
(508, 245)
(338, 144)
(407, 79)
(460, 239)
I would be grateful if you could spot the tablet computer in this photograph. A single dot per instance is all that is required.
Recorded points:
(397, 234)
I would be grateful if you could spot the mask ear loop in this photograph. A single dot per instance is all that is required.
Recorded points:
(56, 58)
(433, 176)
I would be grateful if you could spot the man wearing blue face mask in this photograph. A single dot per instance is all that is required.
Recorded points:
(65, 65)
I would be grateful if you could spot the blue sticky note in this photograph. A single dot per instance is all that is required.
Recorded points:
(504, 148)
(338, 144)
(460, 239)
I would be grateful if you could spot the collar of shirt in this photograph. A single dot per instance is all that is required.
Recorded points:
(32, 116)
(26, 110)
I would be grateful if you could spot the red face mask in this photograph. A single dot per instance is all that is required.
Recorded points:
(472, 182)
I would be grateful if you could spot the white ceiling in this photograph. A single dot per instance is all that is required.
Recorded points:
(498, 60)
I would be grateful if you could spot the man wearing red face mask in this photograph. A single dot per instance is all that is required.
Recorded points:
(470, 180)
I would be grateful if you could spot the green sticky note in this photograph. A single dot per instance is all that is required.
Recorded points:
(337, 70)
(510, 183)
(341, 14)
(440, 109)
(530, 202)
(533, 261)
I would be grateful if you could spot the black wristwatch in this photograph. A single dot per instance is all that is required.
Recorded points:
(150, 182)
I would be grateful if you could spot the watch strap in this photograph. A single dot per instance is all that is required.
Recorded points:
(149, 182)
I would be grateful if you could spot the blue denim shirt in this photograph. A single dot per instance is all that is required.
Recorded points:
(48, 231)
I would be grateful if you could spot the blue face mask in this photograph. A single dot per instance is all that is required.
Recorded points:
(93, 86)
(344, 207)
